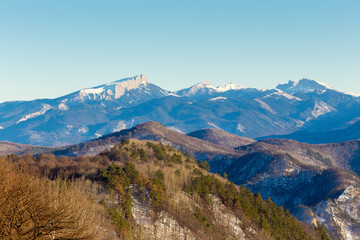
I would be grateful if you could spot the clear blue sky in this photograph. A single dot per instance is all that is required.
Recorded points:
(50, 48)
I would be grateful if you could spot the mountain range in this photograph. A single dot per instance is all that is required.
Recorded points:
(307, 111)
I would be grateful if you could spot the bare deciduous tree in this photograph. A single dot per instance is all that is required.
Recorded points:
(34, 208)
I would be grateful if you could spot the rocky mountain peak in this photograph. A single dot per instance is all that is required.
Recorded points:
(113, 90)
(303, 86)
(206, 88)
(138, 79)
(127, 84)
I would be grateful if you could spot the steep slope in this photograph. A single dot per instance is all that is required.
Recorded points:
(220, 137)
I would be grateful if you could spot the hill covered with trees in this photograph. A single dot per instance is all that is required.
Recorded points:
(136, 190)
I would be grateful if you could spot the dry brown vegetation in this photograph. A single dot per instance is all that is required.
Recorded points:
(35, 208)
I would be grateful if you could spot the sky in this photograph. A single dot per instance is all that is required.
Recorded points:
(52, 48)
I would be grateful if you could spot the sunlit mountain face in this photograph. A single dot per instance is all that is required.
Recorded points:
(306, 106)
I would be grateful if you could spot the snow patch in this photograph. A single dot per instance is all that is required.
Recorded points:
(167, 93)
(217, 99)
(299, 123)
(320, 108)
(171, 94)
(265, 106)
(176, 129)
(109, 92)
(351, 122)
(82, 130)
(288, 96)
(63, 106)
(45, 108)
(120, 126)
(213, 125)
(240, 128)
(325, 85)
(88, 91)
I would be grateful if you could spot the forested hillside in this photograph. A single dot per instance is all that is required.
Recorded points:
(136, 190)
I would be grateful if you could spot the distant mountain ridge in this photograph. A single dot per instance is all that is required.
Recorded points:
(221, 137)
(332, 136)
(247, 112)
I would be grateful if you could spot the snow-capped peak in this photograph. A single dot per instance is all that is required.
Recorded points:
(203, 87)
(139, 79)
(227, 87)
(353, 94)
(207, 88)
(113, 90)
(303, 86)
(200, 86)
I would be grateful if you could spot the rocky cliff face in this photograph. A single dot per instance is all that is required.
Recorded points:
(340, 215)
(162, 225)
(110, 91)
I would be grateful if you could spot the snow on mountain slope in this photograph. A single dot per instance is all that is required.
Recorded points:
(63, 106)
(112, 90)
(205, 88)
(44, 109)
(320, 108)
(248, 112)
(282, 94)
(303, 86)
(228, 87)
(217, 99)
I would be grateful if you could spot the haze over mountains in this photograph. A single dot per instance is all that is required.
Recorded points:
(306, 106)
